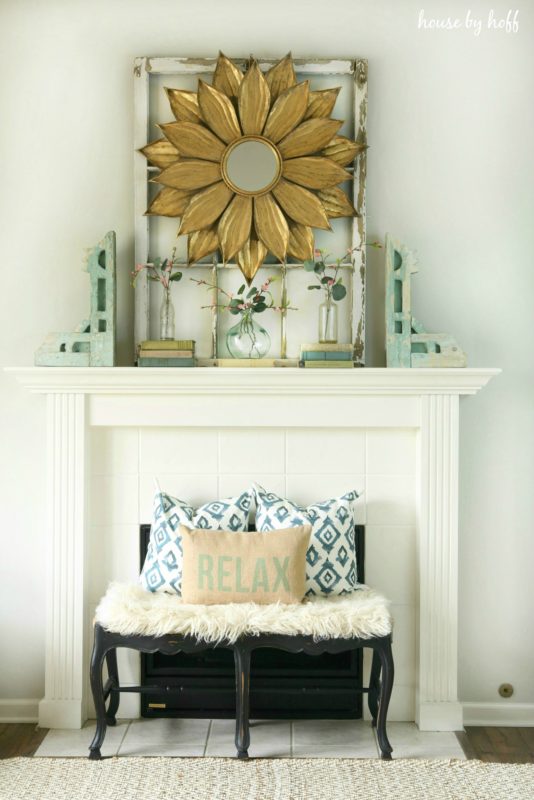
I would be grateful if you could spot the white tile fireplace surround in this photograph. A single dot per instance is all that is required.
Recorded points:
(207, 433)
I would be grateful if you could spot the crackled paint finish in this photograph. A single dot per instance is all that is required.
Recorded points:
(92, 344)
(144, 69)
(407, 342)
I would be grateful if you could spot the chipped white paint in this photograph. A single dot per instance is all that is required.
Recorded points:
(358, 223)
(140, 197)
(144, 67)
(193, 66)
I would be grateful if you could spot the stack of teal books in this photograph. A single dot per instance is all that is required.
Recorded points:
(326, 356)
(166, 353)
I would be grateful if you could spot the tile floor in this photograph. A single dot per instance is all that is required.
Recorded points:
(269, 739)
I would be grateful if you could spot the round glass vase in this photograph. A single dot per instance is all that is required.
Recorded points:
(166, 316)
(248, 339)
(328, 322)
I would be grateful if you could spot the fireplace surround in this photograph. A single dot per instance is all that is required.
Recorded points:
(347, 418)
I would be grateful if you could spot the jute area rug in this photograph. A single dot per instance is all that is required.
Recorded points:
(262, 779)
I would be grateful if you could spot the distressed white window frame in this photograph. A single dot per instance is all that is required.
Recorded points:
(144, 68)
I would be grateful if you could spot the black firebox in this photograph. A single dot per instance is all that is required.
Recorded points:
(282, 685)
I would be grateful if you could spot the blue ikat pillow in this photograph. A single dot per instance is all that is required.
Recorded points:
(331, 556)
(162, 570)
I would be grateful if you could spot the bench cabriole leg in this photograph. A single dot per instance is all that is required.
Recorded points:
(97, 688)
(242, 679)
(114, 697)
(386, 686)
(374, 687)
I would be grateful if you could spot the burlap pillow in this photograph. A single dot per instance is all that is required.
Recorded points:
(228, 567)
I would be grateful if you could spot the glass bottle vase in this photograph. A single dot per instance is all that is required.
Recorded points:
(328, 321)
(248, 339)
(166, 316)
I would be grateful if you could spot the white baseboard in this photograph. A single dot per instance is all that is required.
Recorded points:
(20, 710)
(506, 714)
(519, 715)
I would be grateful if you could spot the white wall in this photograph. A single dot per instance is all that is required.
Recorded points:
(450, 172)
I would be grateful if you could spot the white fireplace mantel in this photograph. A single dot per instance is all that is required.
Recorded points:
(424, 400)
(131, 380)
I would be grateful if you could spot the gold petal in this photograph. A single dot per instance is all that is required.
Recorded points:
(194, 141)
(184, 105)
(202, 243)
(234, 226)
(169, 203)
(218, 112)
(300, 241)
(321, 103)
(190, 174)
(205, 207)
(271, 225)
(342, 150)
(336, 203)
(310, 137)
(254, 100)
(314, 172)
(161, 153)
(227, 77)
(251, 257)
(288, 110)
(281, 76)
(301, 205)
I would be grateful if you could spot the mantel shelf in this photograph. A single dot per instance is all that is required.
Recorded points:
(256, 381)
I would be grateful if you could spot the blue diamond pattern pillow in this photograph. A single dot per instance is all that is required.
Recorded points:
(162, 570)
(331, 556)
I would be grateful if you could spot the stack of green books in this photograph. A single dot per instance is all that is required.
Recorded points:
(166, 353)
(326, 356)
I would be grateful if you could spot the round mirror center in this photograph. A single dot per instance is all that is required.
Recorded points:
(251, 166)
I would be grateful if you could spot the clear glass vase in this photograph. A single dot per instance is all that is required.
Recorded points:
(248, 339)
(166, 316)
(328, 321)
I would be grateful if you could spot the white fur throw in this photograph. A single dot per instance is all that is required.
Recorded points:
(129, 609)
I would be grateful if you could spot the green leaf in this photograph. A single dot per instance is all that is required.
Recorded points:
(319, 268)
(176, 276)
(252, 292)
(234, 311)
(235, 301)
(241, 289)
(157, 262)
(325, 280)
(259, 307)
(315, 286)
(309, 266)
(338, 291)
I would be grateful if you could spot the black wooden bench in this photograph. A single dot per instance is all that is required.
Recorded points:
(106, 642)
(105, 649)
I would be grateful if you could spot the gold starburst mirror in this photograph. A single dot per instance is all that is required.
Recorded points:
(252, 164)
